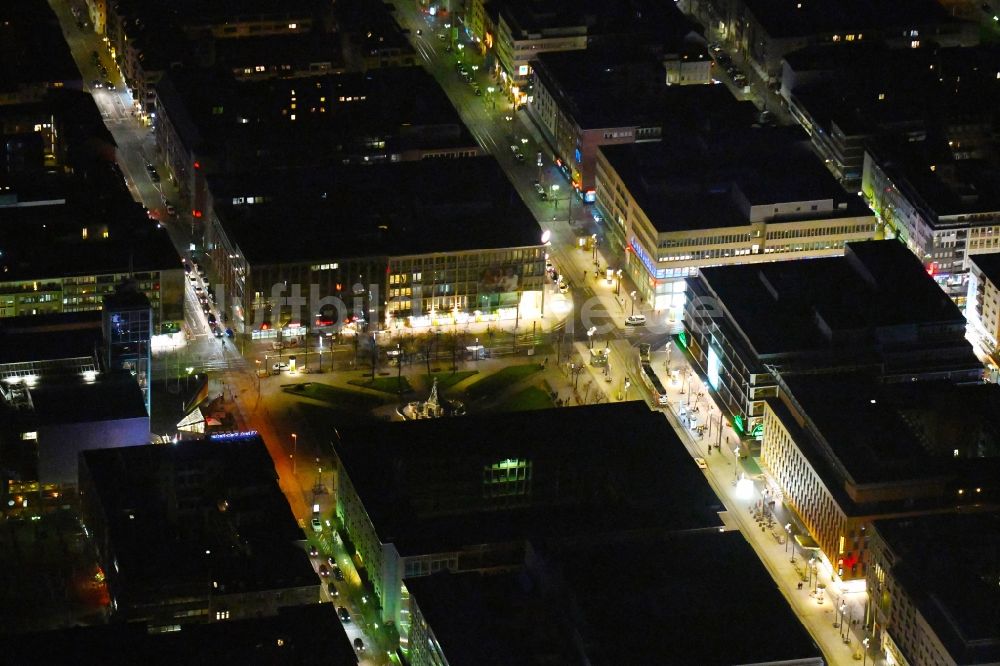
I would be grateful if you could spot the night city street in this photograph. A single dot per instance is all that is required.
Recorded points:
(516, 332)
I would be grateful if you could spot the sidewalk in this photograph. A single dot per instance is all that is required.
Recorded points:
(750, 510)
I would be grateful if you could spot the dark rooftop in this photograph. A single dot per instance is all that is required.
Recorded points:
(41, 242)
(422, 482)
(415, 207)
(638, 21)
(32, 48)
(989, 265)
(788, 307)
(319, 120)
(109, 397)
(704, 180)
(948, 565)
(616, 87)
(50, 337)
(803, 19)
(866, 428)
(171, 536)
(297, 636)
(491, 620)
(673, 581)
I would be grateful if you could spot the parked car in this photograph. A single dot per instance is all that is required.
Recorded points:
(700, 462)
(316, 525)
(338, 573)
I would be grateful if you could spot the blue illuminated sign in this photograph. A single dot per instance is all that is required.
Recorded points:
(230, 436)
(579, 156)
(643, 257)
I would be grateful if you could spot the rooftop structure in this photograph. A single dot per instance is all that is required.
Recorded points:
(737, 175)
(557, 611)
(936, 583)
(58, 396)
(63, 250)
(29, 30)
(430, 489)
(209, 123)
(982, 305)
(620, 94)
(194, 532)
(846, 96)
(398, 209)
(724, 192)
(308, 635)
(846, 449)
(765, 30)
(875, 308)
(384, 227)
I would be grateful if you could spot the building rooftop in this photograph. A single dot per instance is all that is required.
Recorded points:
(803, 19)
(561, 611)
(491, 619)
(110, 396)
(406, 208)
(50, 337)
(988, 265)
(867, 428)
(297, 636)
(639, 21)
(172, 537)
(422, 482)
(603, 88)
(236, 126)
(40, 242)
(947, 565)
(788, 307)
(705, 180)
(297, 53)
(33, 51)
(940, 181)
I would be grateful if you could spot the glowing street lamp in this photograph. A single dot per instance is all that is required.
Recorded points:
(295, 450)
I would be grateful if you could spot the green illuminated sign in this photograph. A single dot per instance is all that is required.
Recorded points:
(682, 339)
(758, 431)
(738, 423)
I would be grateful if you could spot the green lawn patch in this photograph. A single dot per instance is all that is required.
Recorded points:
(530, 398)
(498, 381)
(448, 379)
(336, 397)
(390, 384)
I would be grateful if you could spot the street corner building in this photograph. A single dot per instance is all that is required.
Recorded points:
(194, 532)
(470, 494)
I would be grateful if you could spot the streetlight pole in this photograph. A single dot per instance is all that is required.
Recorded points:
(618, 284)
(295, 451)
(632, 298)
